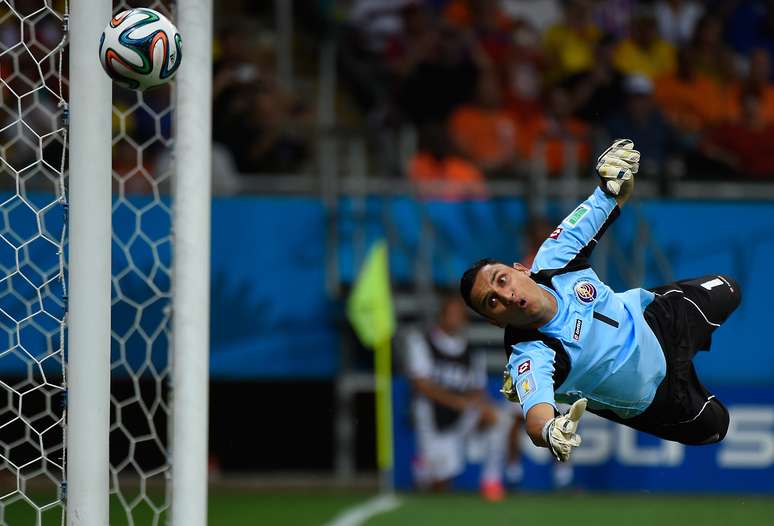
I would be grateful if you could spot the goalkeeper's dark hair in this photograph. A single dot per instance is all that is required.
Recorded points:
(469, 278)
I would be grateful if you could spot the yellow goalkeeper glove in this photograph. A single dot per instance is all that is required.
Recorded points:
(560, 432)
(617, 165)
(508, 389)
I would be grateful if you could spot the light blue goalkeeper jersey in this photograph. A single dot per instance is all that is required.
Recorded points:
(598, 345)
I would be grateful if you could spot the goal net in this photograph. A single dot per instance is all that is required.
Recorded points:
(33, 209)
(33, 295)
(141, 298)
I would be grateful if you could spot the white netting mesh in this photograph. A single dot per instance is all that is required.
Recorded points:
(32, 287)
(141, 299)
(32, 293)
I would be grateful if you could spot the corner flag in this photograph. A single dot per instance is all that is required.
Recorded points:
(369, 309)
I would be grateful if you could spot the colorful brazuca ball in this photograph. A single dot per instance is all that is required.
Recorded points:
(140, 49)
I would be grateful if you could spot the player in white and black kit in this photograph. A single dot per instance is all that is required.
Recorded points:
(570, 338)
(450, 403)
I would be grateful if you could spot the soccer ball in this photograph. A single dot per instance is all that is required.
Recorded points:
(140, 49)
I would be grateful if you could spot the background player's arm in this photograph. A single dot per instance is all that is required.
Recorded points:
(475, 398)
(446, 397)
(420, 368)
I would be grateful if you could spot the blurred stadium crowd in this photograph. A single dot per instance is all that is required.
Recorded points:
(491, 86)
(483, 88)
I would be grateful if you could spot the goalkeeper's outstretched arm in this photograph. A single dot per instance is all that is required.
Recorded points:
(557, 433)
(536, 420)
(576, 236)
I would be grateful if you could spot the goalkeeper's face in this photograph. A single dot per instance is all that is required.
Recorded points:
(508, 296)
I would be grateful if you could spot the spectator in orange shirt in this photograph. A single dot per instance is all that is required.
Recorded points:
(439, 173)
(741, 146)
(689, 99)
(709, 52)
(757, 80)
(645, 52)
(726, 105)
(552, 132)
(483, 131)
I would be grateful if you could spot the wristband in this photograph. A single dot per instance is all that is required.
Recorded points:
(546, 430)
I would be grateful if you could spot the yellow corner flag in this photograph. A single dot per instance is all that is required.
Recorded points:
(369, 309)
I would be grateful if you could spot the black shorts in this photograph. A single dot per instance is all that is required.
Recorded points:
(683, 317)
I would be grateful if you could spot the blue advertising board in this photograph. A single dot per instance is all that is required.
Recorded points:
(272, 316)
(617, 458)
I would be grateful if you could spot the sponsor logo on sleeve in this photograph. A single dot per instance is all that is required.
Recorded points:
(585, 291)
(524, 367)
(576, 215)
(525, 387)
(556, 233)
(577, 332)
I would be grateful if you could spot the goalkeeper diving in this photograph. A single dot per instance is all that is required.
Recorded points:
(625, 356)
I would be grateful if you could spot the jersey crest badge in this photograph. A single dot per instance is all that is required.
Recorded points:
(525, 387)
(585, 291)
(556, 233)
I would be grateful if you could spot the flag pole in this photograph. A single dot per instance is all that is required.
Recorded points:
(370, 311)
(383, 379)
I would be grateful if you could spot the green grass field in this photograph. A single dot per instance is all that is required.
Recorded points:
(469, 510)
(317, 508)
(581, 510)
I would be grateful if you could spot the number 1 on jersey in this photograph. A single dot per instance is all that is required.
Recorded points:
(711, 284)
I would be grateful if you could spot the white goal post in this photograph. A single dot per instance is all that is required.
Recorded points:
(89, 266)
(191, 299)
(190, 283)
(107, 423)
